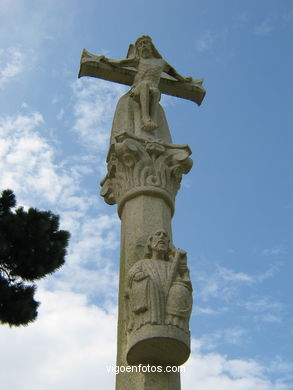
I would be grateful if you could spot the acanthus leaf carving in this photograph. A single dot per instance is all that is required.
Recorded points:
(138, 164)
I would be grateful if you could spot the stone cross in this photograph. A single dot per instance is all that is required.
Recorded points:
(144, 173)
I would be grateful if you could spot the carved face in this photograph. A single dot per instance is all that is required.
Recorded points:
(144, 47)
(160, 241)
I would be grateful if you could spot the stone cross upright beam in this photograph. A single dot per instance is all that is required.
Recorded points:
(144, 174)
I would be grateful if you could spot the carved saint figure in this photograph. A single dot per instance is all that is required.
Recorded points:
(159, 290)
(149, 65)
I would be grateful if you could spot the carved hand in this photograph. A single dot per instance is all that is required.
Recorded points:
(139, 276)
(180, 252)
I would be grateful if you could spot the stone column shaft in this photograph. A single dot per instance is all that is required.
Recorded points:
(139, 218)
(143, 179)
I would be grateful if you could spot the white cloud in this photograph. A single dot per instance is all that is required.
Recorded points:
(69, 346)
(72, 343)
(270, 272)
(264, 28)
(223, 283)
(209, 371)
(95, 101)
(26, 159)
(234, 336)
(205, 42)
(288, 14)
(242, 18)
(43, 23)
(11, 64)
(264, 309)
(229, 275)
(28, 166)
(168, 101)
(276, 251)
(92, 262)
(262, 305)
(60, 114)
(205, 310)
(268, 317)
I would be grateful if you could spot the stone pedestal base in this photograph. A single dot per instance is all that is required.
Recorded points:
(158, 345)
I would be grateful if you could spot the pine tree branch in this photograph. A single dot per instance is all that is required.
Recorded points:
(10, 279)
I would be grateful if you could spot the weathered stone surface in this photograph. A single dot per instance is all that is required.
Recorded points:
(140, 166)
(144, 174)
(158, 304)
(140, 218)
(147, 82)
(95, 66)
(127, 119)
(158, 345)
(161, 381)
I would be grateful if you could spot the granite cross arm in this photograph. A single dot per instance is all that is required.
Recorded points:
(94, 66)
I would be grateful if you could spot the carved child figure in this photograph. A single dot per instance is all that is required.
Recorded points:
(179, 301)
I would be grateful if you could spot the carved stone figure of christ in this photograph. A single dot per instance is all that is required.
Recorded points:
(149, 65)
(149, 75)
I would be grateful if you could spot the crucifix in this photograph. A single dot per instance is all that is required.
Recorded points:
(143, 177)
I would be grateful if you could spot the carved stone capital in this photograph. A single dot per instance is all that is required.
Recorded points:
(141, 166)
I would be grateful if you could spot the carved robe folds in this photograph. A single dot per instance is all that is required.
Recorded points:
(159, 303)
(152, 301)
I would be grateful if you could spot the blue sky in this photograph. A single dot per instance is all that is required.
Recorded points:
(234, 210)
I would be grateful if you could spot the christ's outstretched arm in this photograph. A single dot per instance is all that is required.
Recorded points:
(173, 72)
